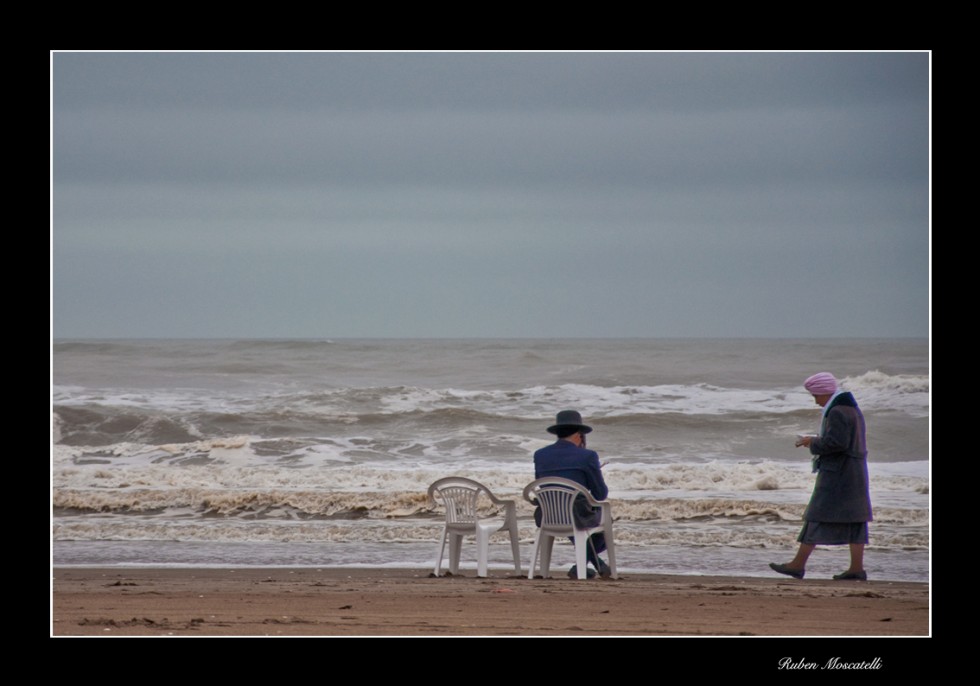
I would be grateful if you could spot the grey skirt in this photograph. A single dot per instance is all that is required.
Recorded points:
(833, 533)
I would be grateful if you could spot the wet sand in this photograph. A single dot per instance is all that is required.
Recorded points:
(410, 603)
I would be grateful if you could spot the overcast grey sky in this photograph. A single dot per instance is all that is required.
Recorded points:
(490, 194)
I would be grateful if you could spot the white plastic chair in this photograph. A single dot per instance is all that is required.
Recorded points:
(556, 497)
(461, 496)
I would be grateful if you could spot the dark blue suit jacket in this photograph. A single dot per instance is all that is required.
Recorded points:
(567, 460)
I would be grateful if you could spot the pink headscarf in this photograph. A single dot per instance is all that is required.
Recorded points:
(822, 383)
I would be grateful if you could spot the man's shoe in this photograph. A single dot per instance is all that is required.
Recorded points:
(783, 569)
(573, 573)
(604, 571)
(857, 576)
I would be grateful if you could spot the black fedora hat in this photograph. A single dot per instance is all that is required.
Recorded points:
(569, 419)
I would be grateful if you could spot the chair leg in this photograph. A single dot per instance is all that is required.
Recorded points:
(581, 541)
(455, 543)
(482, 551)
(442, 550)
(547, 545)
(515, 548)
(611, 554)
(534, 553)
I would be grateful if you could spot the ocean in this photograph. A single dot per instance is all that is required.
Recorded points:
(319, 453)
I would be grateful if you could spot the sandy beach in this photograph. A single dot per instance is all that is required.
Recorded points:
(403, 602)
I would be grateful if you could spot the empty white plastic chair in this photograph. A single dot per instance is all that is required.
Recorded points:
(460, 496)
(556, 497)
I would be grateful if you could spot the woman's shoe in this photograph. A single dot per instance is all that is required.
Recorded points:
(857, 576)
(783, 569)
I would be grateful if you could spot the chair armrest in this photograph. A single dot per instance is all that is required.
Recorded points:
(592, 501)
(510, 507)
(606, 508)
(495, 500)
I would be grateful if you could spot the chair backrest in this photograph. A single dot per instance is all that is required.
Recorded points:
(459, 495)
(556, 497)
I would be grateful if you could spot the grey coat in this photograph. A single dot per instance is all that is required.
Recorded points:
(840, 493)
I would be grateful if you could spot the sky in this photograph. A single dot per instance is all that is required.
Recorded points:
(490, 194)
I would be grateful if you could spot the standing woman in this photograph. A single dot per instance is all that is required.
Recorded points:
(840, 507)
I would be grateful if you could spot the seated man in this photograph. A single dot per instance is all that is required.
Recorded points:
(568, 458)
